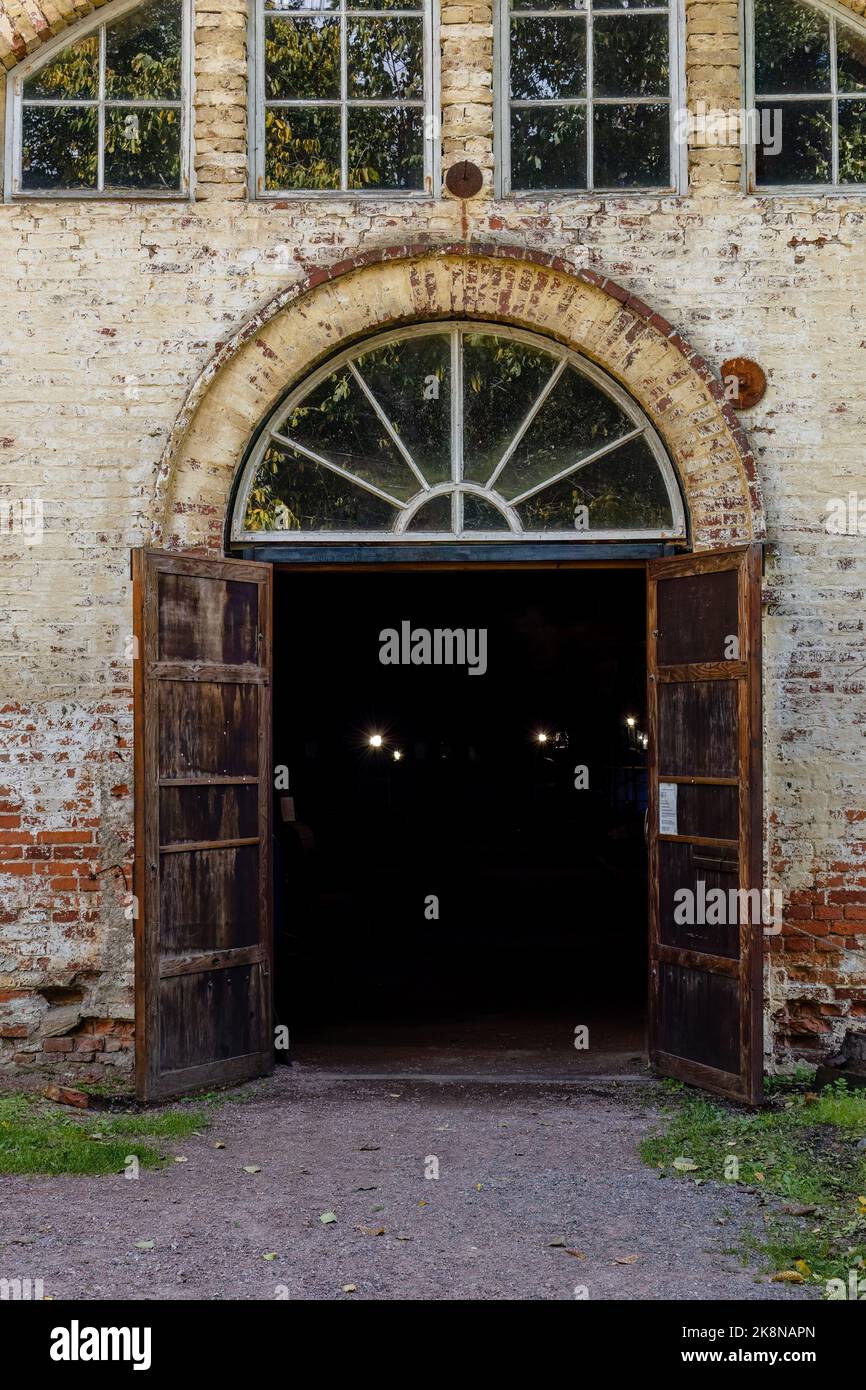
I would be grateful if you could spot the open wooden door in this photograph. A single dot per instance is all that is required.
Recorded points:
(202, 821)
(705, 820)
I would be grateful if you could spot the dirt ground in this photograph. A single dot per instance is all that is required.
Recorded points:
(522, 1168)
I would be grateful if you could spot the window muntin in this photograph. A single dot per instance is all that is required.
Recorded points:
(345, 96)
(588, 95)
(809, 65)
(106, 115)
(461, 430)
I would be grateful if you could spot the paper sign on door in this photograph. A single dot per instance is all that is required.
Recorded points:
(668, 808)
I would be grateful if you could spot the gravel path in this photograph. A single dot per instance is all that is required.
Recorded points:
(520, 1167)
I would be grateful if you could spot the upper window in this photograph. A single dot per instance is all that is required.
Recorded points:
(344, 96)
(588, 94)
(107, 113)
(808, 75)
(468, 430)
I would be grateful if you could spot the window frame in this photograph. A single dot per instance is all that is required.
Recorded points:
(502, 102)
(269, 429)
(430, 103)
(106, 15)
(849, 20)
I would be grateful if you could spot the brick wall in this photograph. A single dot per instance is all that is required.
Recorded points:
(110, 313)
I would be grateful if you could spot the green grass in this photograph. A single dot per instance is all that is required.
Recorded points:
(36, 1137)
(800, 1150)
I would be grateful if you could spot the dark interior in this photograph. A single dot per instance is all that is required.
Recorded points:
(541, 886)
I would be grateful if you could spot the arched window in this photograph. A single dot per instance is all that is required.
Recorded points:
(468, 430)
(807, 74)
(344, 97)
(588, 92)
(106, 114)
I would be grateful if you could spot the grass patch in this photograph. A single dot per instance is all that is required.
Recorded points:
(36, 1137)
(803, 1149)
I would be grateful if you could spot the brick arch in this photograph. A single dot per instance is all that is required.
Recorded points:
(340, 304)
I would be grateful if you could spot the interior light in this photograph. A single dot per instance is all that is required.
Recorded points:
(542, 738)
(375, 740)
(630, 721)
(397, 755)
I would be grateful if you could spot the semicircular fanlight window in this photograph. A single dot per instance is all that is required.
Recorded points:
(458, 430)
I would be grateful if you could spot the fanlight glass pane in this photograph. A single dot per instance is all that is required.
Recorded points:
(792, 48)
(623, 490)
(576, 419)
(433, 516)
(73, 76)
(291, 493)
(143, 53)
(539, 446)
(481, 515)
(411, 380)
(502, 380)
(338, 422)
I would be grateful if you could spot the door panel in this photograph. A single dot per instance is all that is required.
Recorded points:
(705, 820)
(203, 821)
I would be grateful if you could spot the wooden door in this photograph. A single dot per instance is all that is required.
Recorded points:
(202, 821)
(705, 820)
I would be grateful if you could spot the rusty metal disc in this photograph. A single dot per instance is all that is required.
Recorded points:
(464, 180)
(744, 382)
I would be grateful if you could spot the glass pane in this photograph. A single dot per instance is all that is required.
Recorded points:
(628, 4)
(575, 420)
(302, 59)
(631, 55)
(386, 147)
(433, 516)
(142, 148)
(548, 58)
(548, 4)
(502, 380)
(850, 59)
(632, 146)
(386, 58)
(624, 490)
(411, 380)
(481, 515)
(852, 141)
(806, 145)
(291, 493)
(73, 75)
(59, 147)
(301, 4)
(792, 47)
(302, 147)
(143, 53)
(548, 147)
(385, 5)
(337, 421)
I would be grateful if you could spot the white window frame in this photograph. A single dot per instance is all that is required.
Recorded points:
(270, 432)
(430, 103)
(849, 20)
(12, 190)
(502, 100)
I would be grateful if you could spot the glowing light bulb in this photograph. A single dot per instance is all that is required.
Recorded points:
(397, 755)
(375, 740)
(630, 721)
(542, 738)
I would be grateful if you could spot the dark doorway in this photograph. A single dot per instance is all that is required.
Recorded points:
(469, 800)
